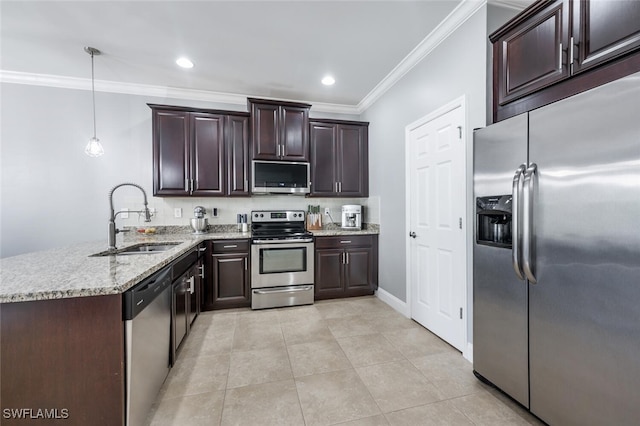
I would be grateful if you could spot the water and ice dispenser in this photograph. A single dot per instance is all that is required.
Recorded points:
(493, 221)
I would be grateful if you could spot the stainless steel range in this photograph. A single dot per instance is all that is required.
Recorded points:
(281, 259)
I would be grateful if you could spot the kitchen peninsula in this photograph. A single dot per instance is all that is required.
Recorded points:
(62, 330)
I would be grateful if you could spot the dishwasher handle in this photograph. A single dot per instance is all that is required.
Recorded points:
(140, 296)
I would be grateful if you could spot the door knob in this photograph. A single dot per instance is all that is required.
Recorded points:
(412, 234)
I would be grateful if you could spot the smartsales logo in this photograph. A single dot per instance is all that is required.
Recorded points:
(35, 413)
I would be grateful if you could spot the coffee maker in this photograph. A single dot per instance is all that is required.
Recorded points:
(351, 216)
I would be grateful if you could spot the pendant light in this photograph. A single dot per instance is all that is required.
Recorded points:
(94, 147)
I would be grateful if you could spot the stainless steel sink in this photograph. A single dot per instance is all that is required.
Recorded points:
(142, 248)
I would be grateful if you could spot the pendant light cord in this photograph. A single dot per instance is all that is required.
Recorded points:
(93, 91)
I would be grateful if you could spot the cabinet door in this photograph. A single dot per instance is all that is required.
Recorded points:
(603, 30)
(170, 152)
(194, 293)
(265, 131)
(323, 159)
(238, 155)
(179, 315)
(357, 267)
(207, 160)
(230, 281)
(352, 161)
(294, 133)
(533, 54)
(329, 273)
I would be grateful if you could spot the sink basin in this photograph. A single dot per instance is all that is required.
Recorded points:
(142, 248)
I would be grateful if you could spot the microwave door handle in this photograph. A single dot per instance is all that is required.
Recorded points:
(527, 223)
(516, 195)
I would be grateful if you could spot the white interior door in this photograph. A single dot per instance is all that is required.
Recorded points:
(436, 205)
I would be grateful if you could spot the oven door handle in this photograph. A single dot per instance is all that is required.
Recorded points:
(285, 290)
(293, 241)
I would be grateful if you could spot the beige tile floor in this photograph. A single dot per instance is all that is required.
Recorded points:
(346, 361)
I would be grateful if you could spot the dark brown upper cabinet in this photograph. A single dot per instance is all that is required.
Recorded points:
(279, 130)
(237, 128)
(199, 152)
(339, 158)
(531, 54)
(558, 48)
(603, 30)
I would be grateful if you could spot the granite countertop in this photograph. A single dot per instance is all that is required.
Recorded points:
(70, 271)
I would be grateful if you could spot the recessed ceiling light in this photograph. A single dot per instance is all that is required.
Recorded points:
(184, 62)
(328, 80)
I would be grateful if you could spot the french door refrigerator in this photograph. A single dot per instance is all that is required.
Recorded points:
(557, 257)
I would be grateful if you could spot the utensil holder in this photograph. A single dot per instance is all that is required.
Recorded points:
(314, 221)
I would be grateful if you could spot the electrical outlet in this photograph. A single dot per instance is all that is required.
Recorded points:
(124, 213)
(214, 212)
(326, 211)
(177, 212)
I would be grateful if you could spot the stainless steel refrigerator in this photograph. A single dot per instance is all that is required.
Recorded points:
(557, 257)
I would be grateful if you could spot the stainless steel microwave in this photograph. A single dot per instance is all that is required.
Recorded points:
(280, 177)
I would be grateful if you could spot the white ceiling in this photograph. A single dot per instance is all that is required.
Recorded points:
(277, 49)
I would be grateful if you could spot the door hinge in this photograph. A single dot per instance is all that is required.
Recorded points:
(460, 222)
(460, 313)
(459, 132)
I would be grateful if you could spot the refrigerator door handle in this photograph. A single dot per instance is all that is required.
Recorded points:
(516, 195)
(528, 189)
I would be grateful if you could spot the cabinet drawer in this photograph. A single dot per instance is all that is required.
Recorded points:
(230, 246)
(344, 241)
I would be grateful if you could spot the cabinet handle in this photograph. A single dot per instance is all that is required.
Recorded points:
(571, 46)
(186, 185)
(560, 58)
(245, 264)
(192, 281)
(340, 186)
(246, 185)
(201, 271)
(347, 258)
(345, 242)
(336, 185)
(278, 150)
(230, 246)
(202, 249)
(343, 259)
(192, 180)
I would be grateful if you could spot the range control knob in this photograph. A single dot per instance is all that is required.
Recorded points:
(261, 215)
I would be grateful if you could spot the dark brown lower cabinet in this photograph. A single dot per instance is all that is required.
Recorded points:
(346, 266)
(228, 283)
(186, 296)
(65, 356)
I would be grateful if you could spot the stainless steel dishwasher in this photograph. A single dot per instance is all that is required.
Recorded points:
(147, 317)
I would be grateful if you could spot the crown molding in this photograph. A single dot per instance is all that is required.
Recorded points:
(62, 82)
(457, 17)
(511, 4)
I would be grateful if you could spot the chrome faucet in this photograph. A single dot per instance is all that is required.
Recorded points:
(112, 215)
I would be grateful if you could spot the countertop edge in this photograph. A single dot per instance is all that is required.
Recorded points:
(163, 259)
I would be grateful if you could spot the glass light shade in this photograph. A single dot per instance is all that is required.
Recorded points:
(94, 148)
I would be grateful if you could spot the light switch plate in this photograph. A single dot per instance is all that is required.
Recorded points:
(326, 211)
(177, 212)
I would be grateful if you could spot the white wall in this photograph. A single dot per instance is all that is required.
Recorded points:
(460, 66)
(455, 68)
(52, 194)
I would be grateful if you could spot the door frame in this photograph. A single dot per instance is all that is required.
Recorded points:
(450, 106)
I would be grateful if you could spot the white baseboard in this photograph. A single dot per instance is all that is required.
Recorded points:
(468, 354)
(394, 302)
